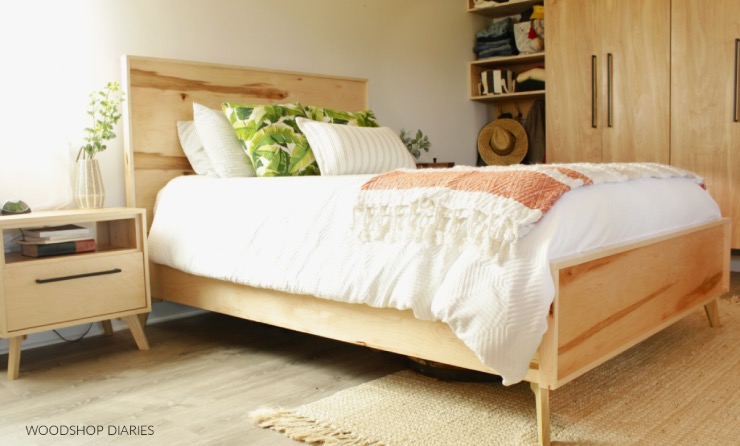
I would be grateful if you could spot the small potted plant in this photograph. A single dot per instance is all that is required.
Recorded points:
(105, 114)
(415, 144)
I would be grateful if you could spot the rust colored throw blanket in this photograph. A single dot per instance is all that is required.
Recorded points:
(489, 207)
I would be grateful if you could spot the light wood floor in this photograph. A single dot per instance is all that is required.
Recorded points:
(195, 386)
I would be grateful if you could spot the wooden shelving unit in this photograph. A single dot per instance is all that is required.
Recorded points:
(516, 63)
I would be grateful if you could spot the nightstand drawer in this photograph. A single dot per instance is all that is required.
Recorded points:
(79, 288)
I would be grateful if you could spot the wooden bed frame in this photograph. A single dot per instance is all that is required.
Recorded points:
(606, 301)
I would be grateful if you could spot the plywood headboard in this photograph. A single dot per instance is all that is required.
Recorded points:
(160, 92)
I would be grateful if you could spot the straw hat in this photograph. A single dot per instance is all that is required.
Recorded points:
(503, 142)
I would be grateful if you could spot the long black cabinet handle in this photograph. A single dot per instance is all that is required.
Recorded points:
(735, 117)
(79, 276)
(609, 82)
(594, 91)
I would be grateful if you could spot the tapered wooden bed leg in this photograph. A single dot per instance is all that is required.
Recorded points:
(712, 311)
(542, 397)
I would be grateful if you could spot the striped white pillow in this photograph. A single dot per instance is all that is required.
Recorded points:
(220, 143)
(349, 150)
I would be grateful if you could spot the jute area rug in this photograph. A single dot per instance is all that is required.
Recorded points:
(680, 387)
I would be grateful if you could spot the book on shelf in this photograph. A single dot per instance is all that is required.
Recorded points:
(510, 82)
(27, 240)
(57, 231)
(486, 81)
(497, 82)
(55, 249)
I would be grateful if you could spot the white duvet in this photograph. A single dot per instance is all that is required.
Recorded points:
(295, 235)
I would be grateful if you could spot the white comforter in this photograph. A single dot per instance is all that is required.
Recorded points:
(295, 235)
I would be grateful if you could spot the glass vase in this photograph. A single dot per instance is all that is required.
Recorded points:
(89, 192)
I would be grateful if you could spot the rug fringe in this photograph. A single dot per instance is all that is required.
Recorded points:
(307, 430)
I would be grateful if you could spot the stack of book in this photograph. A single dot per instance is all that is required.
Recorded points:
(497, 82)
(56, 240)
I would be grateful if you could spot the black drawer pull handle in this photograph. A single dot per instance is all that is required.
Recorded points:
(610, 88)
(594, 91)
(79, 276)
(735, 117)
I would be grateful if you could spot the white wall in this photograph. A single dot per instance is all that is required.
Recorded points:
(414, 53)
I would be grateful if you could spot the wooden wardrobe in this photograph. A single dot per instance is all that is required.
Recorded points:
(647, 80)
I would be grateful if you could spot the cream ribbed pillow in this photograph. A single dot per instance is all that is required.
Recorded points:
(349, 150)
(221, 144)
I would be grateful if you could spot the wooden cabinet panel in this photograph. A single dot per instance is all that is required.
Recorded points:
(572, 69)
(602, 105)
(636, 49)
(704, 133)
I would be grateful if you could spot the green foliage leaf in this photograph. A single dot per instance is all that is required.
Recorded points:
(365, 118)
(415, 144)
(103, 109)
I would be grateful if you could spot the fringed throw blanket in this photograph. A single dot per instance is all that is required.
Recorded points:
(489, 207)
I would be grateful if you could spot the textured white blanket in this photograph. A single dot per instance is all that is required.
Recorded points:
(295, 235)
(489, 208)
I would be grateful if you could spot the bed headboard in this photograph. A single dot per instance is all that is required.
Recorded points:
(160, 92)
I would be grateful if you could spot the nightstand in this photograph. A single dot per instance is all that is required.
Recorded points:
(45, 293)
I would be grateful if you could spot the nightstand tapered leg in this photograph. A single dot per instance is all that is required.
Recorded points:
(134, 324)
(14, 357)
(143, 317)
(107, 327)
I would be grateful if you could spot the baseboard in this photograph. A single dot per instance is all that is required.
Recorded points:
(161, 312)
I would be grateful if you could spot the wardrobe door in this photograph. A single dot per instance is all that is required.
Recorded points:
(705, 132)
(608, 80)
(636, 60)
(573, 56)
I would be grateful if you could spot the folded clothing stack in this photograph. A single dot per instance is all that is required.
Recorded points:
(531, 80)
(497, 39)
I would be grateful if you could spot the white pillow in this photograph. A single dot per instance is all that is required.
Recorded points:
(221, 144)
(193, 148)
(349, 150)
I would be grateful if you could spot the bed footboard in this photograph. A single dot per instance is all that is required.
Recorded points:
(610, 300)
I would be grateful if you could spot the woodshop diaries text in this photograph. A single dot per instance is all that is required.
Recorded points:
(73, 430)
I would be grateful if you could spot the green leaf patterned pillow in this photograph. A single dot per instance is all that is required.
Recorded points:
(272, 139)
(365, 118)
